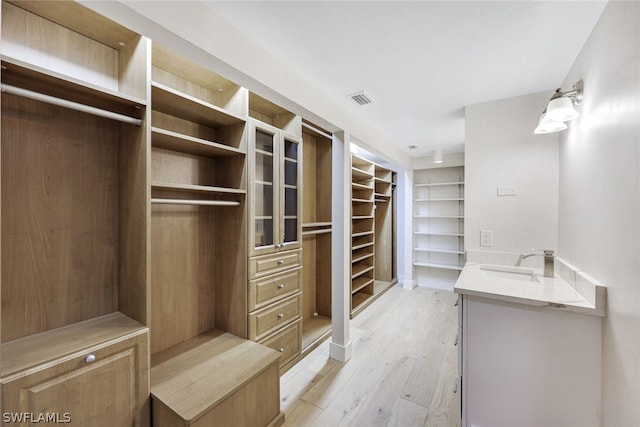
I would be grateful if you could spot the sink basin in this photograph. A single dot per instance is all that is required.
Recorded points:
(511, 273)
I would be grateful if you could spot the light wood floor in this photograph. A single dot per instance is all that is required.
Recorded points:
(402, 371)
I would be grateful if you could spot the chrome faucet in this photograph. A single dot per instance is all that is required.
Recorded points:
(548, 260)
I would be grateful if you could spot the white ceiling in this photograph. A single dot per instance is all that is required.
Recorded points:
(421, 61)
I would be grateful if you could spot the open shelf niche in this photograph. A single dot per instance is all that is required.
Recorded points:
(438, 236)
(316, 236)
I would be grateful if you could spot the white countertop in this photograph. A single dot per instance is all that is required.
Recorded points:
(542, 292)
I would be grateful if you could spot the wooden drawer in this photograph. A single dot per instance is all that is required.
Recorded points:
(265, 265)
(263, 292)
(271, 318)
(288, 342)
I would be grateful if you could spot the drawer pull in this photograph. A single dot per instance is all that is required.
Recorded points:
(281, 285)
(280, 315)
(90, 358)
(280, 262)
(281, 350)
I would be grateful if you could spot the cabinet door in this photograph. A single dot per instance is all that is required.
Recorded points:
(264, 147)
(290, 221)
(102, 387)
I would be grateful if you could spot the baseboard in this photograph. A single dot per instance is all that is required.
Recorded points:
(341, 353)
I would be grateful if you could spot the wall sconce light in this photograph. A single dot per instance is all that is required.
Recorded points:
(560, 109)
(437, 156)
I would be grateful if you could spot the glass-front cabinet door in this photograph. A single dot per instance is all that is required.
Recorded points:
(290, 192)
(274, 180)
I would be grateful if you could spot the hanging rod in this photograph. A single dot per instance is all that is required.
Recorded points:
(13, 90)
(194, 202)
(316, 130)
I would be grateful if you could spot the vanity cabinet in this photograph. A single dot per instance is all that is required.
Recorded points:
(528, 366)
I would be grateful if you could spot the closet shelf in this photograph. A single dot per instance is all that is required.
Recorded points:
(157, 185)
(438, 216)
(313, 232)
(159, 201)
(360, 283)
(363, 233)
(359, 173)
(439, 184)
(359, 186)
(436, 265)
(364, 245)
(33, 78)
(439, 200)
(361, 257)
(316, 224)
(182, 105)
(432, 233)
(441, 251)
(175, 141)
(360, 270)
(362, 200)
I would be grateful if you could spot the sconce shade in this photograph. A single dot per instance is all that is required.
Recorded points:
(561, 110)
(546, 125)
(437, 156)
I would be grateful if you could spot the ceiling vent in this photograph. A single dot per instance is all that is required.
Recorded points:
(413, 147)
(361, 98)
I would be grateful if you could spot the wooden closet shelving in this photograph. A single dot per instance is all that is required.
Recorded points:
(372, 247)
(73, 228)
(124, 202)
(316, 236)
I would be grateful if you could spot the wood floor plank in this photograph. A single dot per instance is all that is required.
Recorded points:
(407, 414)
(401, 372)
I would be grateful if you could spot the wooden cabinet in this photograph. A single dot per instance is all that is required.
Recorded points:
(438, 236)
(275, 223)
(101, 381)
(74, 226)
(275, 212)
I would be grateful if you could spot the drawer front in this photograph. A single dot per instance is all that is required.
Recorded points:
(274, 263)
(287, 341)
(269, 319)
(263, 292)
(105, 386)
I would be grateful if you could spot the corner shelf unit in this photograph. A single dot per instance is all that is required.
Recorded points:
(438, 217)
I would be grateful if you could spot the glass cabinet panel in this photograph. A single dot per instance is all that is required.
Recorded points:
(265, 165)
(290, 233)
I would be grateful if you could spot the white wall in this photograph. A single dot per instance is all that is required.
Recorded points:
(599, 225)
(501, 150)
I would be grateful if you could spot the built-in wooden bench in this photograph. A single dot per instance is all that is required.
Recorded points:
(216, 379)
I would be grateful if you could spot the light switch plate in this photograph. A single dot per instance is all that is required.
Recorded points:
(486, 238)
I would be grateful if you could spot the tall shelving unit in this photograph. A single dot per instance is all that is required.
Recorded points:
(438, 236)
(362, 232)
(372, 247)
(316, 236)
